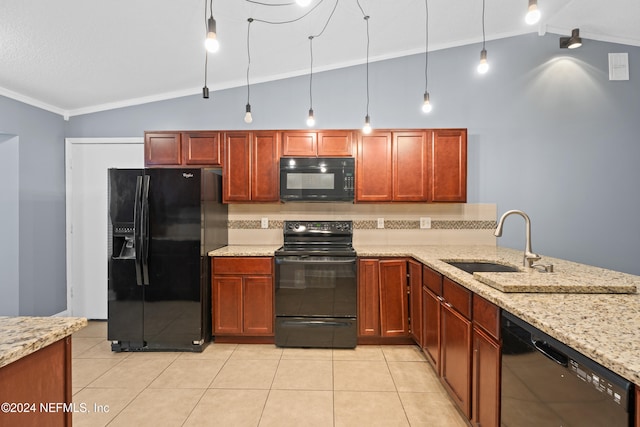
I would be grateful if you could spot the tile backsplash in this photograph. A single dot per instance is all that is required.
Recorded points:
(451, 224)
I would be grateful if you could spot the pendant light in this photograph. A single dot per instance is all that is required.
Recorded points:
(311, 120)
(205, 89)
(366, 129)
(483, 66)
(533, 13)
(248, 118)
(572, 42)
(426, 105)
(211, 43)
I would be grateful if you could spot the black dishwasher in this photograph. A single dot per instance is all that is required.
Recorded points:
(546, 383)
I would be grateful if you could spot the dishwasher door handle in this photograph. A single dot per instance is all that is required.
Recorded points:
(550, 352)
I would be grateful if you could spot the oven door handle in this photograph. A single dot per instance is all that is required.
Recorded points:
(314, 260)
(315, 323)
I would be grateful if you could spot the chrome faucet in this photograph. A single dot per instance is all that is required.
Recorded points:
(529, 256)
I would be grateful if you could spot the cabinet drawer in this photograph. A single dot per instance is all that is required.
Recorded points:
(487, 316)
(457, 296)
(432, 280)
(241, 265)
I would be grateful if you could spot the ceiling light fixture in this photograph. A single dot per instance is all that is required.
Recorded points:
(571, 42)
(533, 13)
(211, 43)
(483, 66)
(248, 118)
(426, 105)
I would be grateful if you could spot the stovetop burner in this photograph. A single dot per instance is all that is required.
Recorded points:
(321, 238)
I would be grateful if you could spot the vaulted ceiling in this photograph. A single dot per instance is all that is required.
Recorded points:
(78, 56)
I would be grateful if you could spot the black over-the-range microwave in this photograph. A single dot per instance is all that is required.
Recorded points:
(317, 179)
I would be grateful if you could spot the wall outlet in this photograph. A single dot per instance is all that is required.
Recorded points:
(264, 223)
(380, 222)
(425, 222)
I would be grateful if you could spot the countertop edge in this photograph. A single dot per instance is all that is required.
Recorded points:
(27, 335)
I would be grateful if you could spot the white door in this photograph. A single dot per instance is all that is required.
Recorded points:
(87, 162)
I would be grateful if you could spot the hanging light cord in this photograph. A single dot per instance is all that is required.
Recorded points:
(326, 24)
(250, 20)
(426, 49)
(483, 34)
(264, 21)
(366, 18)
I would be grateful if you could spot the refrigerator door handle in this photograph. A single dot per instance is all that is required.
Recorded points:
(144, 226)
(137, 241)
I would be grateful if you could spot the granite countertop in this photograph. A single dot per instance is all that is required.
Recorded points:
(602, 326)
(21, 336)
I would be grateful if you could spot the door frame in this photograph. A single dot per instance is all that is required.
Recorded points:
(68, 150)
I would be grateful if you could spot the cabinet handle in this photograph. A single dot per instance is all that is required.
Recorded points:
(448, 305)
(439, 298)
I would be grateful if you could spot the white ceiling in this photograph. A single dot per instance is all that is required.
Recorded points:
(78, 56)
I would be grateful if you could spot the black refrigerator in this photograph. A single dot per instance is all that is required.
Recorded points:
(162, 224)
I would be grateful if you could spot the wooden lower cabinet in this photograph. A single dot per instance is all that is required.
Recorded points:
(637, 405)
(455, 353)
(415, 300)
(485, 400)
(431, 297)
(42, 377)
(242, 296)
(383, 299)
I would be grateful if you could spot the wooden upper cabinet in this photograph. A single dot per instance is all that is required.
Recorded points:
(330, 143)
(251, 170)
(373, 168)
(162, 149)
(236, 172)
(201, 148)
(265, 168)
(335, 143)
(175, 149)
(448, 164)
(410, 171)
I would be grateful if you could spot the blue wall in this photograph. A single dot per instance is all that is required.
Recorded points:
(548, 134)
(41, 187)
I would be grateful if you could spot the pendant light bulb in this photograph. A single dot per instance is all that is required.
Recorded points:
(366, 129)
(426, 106)
(303, 3)
(247, 117)
(533, 13)
(211, 43)
(311, 120)
(483, 66)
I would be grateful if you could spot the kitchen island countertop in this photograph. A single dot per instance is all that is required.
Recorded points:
(604, 327)
(20, 336)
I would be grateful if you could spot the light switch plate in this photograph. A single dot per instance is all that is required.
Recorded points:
(264, 223)
(380, 222)
(425, 222)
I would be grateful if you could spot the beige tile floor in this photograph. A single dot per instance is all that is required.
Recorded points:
(255, 385)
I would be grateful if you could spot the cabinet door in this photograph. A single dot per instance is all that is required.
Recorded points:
(258, 305)
(236, 171)
(201, 148)
(415, 300)
(410, 167)
(394, 304)
(265, 173)
(162, 149)
(373, 170)
(431, 327)
(448, 161)
(455, 357)
(227, 305)
(299, 144)
(486, 380)
(368, 298)
(338, 143)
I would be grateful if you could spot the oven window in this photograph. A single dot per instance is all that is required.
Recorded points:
(310, 181)
(316, 289)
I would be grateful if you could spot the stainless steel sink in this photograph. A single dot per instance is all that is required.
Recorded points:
(472, 267)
